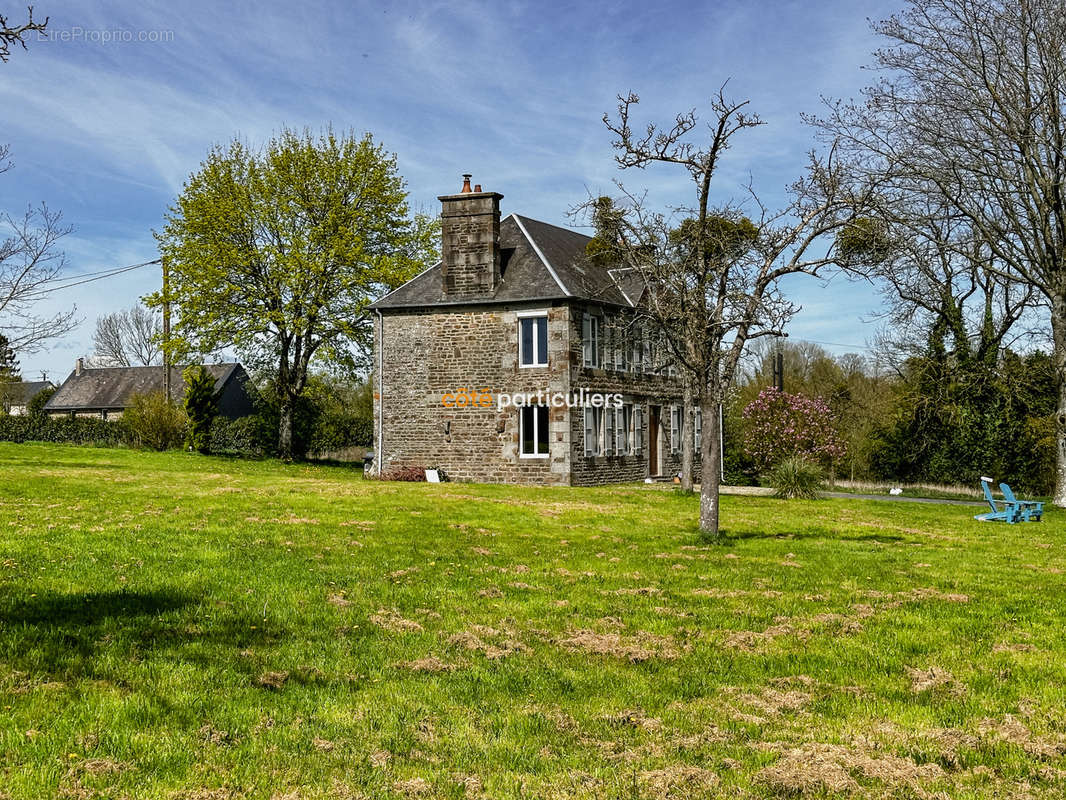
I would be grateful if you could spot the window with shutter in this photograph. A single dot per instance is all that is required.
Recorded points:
(675, 428)
(698, 427)
(586, 339)
(623, 436)
(638, 430)
(594, 431)
(608, 439)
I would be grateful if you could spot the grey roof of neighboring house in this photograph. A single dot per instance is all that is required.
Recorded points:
(111, 388)
(20, 393)
(538, 261)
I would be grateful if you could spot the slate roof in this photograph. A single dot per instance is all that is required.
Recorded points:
(21, 392)
(538, 261)
(111, 388)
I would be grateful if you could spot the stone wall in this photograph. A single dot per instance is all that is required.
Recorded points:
(470, 239)
(428, 354)
(639, 387)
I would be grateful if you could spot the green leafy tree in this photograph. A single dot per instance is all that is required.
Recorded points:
(278, 252)
(200, 407)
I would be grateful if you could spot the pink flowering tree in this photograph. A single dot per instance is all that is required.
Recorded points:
(779, 424)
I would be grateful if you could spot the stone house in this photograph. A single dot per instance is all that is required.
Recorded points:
(517, 360)
(105, 392)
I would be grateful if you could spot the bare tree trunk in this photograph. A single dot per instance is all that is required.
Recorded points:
(688, 418)
(711, 471)
(1058, 336)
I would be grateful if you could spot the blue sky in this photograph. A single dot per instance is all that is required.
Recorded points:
(513, 92)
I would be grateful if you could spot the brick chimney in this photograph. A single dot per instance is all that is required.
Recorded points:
(79, 367)
(470, 239)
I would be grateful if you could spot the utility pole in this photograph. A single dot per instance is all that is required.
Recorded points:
(779, 363)
(166, 329)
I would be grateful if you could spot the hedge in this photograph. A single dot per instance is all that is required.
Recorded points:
(81, 430)
(247, 436)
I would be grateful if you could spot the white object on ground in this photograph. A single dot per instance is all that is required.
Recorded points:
(432, 476)
(897, 490)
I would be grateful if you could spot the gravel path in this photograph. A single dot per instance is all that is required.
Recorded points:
(762, 491)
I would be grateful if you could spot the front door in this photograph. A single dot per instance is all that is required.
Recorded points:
(654, 414)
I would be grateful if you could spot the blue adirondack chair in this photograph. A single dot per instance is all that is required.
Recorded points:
(1001, 511)
(1025, 510)
(1009, 509)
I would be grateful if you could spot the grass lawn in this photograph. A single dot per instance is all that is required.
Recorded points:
(174, 626)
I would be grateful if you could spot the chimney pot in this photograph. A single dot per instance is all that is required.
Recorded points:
(79, 367)
(477, 187)
(466, 183)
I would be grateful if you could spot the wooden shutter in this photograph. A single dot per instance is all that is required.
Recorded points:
(589, 421)
(586, 339)
(638, 429)
(608, 443)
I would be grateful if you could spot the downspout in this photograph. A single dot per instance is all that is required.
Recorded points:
(380, 450)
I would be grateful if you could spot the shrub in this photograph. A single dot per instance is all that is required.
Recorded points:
(795, 477)
(36, 406)
(244, 436)
(412, 474)
(200, 407)
(155, 422)
(778, 425)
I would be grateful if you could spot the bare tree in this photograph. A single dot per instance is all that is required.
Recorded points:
(127, 338)
(712, 275)
(29, 261)
(938, 279)
(13, 34)
(972, 106)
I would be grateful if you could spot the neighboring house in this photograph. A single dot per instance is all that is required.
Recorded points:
(515, 307)
(15, 396)
(105, 392)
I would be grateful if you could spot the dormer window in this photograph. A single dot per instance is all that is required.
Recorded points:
(533, 339)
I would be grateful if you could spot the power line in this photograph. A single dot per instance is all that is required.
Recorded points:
(97, 276)
(833, 344)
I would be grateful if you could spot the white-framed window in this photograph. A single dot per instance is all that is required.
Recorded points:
(590, 340)
(638, 430)
(676, 421)
(636, 354)
(646, 343)
(609, 427)
(697, 426)
(532, 339)
(619, 347)
(624, 433)
(533, 431)
(593, 431)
